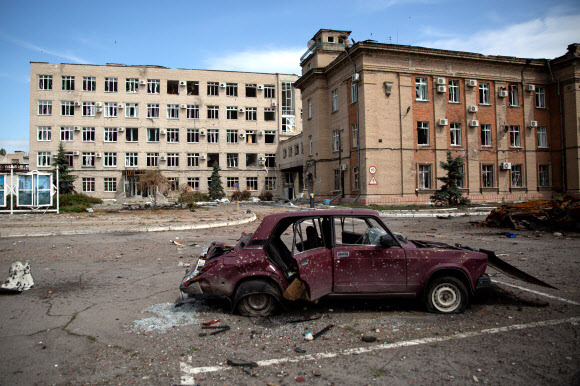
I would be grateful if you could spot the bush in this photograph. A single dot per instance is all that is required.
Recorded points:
(77, 202)
(266, 196)
(244, 195)
(190, 197)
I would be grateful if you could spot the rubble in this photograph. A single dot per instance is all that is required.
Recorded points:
(19, 278)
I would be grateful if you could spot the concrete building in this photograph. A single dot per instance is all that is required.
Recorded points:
(118, 121)
(16, 158)
(379, 119)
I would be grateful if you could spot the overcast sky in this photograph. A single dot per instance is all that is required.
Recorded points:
(262, 36)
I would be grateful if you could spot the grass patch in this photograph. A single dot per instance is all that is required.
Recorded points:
(380, 373)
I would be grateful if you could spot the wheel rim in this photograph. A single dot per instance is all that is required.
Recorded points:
(446, 297)
(258, 302)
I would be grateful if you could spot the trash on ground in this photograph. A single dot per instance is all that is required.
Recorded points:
(299, 350)
(369, 339)
(307, 319)
(218, 329)
(19, 278)
(237, 363)
(511, 235)
(308, 336)
(214, 321)
(323, 331)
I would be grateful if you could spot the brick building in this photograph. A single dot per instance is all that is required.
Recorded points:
(379, 118)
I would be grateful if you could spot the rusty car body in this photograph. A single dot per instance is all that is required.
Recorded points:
(337, 253)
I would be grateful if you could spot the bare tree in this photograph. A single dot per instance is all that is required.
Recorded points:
(156, 181)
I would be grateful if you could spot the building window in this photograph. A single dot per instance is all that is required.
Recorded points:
(540, 97)
(543, 175)
(173, 184)
(424, 174)
(110, 84)
(231, 89)
(288, 124)
(152, 110)
(192, 159)
(513, 95)
(252, 183)
(152, 159)
(270, 183)
(454, 91)
(455, 134)
(421, 89)
(89, 159)
(153, 86)
(172, 135)
(287, 98)
(67, 134)
(232, 136)
(269, 114)
(45, 82)
(68, 83)
(192, 135)
(251, 160)
(336, 179)
(284, 153)
(289, 151)
(516, 176)
(213, 136)
(232, 160)
(309, 145)
(173, 87)
(88, 184)
(213, 112)
(355, 178)
(89, 83)
(89, 109)
(110, 109)
(213, 88)
(542, 136)
(334, 100)
(44, 133)
(232, 112)
(270, 160)
(192, 87)
(213, 159)
(67, 108)
(355, 138)
(232, 183)
(251, 90)
(251, 136)
(132, 110)
(173, 111)
(515, 138)
(423, 133)
(132, 134)
(110, 134)
(110, 184)
(131, 159)
(173, 159)
(487, 176)
(309, 108)
(251, 113)
(88, 134)
(486, 135)
(43, 158)
(109, 159)
(484, 93)
(152, 134)
(69, 159)
(132, 85)
(192, 111)
(269, 91)
(193, 183)
(269, 136)
(296, 149)
(44, 107)
(335, 140)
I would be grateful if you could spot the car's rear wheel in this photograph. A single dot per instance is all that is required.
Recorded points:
(446, 295)
(256, 298)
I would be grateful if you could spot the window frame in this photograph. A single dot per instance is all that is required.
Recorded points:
(423, 126)
(484, 93)
(421, 88)
(454, 91)
(424, 175)
(111, 85)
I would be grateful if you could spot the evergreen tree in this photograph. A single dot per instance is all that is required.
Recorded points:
(216, 190)
(2, 151)
(449, 193)
(65, 179)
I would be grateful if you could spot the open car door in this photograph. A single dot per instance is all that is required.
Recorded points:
(312, 256)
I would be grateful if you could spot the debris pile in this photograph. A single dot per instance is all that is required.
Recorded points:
(19, 278)
(536, 215)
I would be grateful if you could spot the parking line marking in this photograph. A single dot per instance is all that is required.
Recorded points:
(537, 292)
(189, 371)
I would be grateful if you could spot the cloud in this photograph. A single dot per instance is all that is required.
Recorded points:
(283, 61)
(33, 47)
(11, 145)
(538, 38)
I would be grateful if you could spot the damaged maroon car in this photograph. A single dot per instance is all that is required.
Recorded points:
(339, 253)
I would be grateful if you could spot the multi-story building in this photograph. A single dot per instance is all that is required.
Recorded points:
(116, 122)
(379, 119)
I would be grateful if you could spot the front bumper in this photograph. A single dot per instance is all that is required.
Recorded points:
(484, 281)
(192, 289)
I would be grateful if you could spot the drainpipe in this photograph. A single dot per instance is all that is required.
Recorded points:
(357, 127)
(563, 156)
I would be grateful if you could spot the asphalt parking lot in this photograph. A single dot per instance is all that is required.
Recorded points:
(106, 308)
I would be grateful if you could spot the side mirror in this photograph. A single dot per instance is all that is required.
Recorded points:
(387, 240)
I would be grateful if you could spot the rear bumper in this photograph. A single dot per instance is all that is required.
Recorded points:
(484, 281)
(192, 289)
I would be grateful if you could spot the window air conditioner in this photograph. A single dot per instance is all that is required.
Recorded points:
(76, 153)
(143, 83)
(274, 104)
(77, 128)
(472, 82)
(260, 87)
(77, 104)
(355, 77)
(440, 81)
(120, 105)
(506, 166)
(99, 109)
(242, 135)
(121, 129)
(343, 167)
(241, 110)
(183, 83)
(533, 123)
(202, 132)
(503, 93)
(443, 122)
(202, 157)
(162, 131)
(99, 104)
(162, 158)
(98, 155)
(473, 109)
(222, 85)
(531, 87)
(441, 88)
(262, 159)
(474, 123)
(183, 106)
(260, 133)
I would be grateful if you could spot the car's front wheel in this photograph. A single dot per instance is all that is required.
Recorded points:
(446, 295)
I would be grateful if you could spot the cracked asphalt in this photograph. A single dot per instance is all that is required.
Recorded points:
(106, 308)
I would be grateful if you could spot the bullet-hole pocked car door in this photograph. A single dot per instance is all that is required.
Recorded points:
(313, 257)
(361, 263)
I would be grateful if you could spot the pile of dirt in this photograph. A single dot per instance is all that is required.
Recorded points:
(537, 215)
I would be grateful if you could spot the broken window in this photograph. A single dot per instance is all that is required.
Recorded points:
(288, 124)
(132, 134)
(110, 84)
(455, 129)
(173, 159)
(192, 111)
(270, 160)
(335, 140)
(193, 183)
(251, 160)
(67, 108)
(153, 86)
(232, 160)
(269, 91)
(173, 183)
(192, 159)
(153, 159)
(172, 135)
(232, 112)
(192, 135)
(132, 85)
(252, 183)
(516, 176)
(251, 113)
(515, 139)
(356, 230)
(251, 136)
(45, 82)
(152, 134)
(486, 135)
(213, 136)
(454, 91)
(173, 111)
(270, 183)
(88, 159)
(232, 136)
(251, 90)
(484, 93)
(355, 178)
(270, 136)
(89, 109)
(421, 89)
(66, 133)
(44, 107)
(231, 89)
(88, 134)
(424, 175)
(89, 83)
(422, 133)
(213, 112)
(213, 158)
(213, 88)
(543, 175)
(487, 176)
(173, 87)
(68, 83)
(152, 110)
(269, 114)
(513, 95)
(192, 87)
(111, 109)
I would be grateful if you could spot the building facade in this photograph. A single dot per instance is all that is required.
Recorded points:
(117, 121)
(379, 118)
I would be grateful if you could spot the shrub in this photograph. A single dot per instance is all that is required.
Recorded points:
(77, 202)
(266, 196)
(243, 195)
(190, 197)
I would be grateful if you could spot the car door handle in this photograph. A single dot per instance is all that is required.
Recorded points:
(341, 254)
